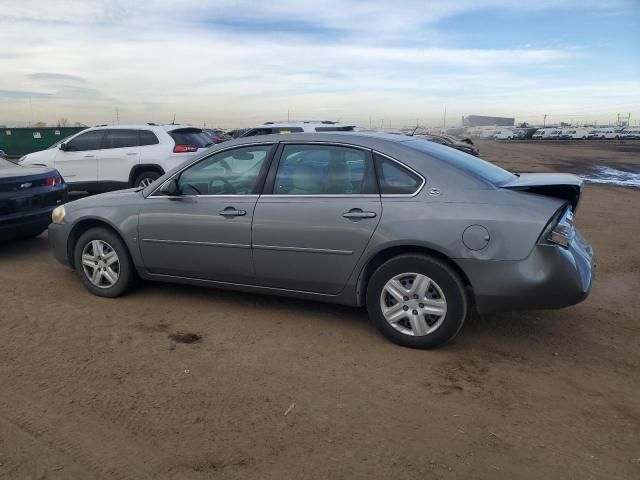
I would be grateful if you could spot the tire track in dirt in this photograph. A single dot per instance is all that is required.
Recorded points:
(100, 449)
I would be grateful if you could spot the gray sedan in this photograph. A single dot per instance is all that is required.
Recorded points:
(418, 233)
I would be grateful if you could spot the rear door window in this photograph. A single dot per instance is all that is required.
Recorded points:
(324, 170)
(120, 138)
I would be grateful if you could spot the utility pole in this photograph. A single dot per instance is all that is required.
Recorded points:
(444, 120)
(370, 125)
(117, 115)
(544, 123)
(287, 115)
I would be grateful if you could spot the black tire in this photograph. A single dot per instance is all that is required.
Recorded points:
(447, 280)
(127, 276)
(146, 175)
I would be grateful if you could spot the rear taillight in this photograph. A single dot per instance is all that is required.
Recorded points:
(563, 231)
(53, 181)
(185, 148)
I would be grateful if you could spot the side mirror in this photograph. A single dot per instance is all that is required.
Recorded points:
(63, 147)
(170, 188)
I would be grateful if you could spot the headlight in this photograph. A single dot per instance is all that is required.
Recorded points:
(58, 214)
(563, 232)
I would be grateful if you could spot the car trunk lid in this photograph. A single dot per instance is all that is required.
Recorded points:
(557, 185)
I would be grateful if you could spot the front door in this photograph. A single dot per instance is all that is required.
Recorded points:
(315, 218)
(204, 232)
(78, 162)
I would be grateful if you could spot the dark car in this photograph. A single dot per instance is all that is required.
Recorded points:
(448, 141)
(27, 198)
(217, 135)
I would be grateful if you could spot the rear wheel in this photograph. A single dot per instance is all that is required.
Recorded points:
(146, 178)
(103, 263)
(417, 301)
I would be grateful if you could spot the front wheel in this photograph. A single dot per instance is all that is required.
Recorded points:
(103, 263)
(417, 301)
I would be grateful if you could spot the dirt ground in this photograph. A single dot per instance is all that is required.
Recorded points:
(279, 388)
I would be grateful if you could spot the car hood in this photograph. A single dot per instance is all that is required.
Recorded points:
(564, 186)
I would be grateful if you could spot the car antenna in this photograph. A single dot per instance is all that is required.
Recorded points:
(414, 131)
(173, 122)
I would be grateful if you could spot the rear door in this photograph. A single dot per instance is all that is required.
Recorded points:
(319, 210)
(119, 154)
(78, 163)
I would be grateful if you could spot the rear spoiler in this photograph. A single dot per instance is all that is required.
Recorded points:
(558, 185)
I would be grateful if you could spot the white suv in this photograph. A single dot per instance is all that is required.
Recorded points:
(298, 127)
(111, 157)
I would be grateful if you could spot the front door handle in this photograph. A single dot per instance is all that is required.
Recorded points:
(356, 213)
(89, 156)
(232, 212)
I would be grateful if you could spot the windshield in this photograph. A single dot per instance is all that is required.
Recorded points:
(479, 168)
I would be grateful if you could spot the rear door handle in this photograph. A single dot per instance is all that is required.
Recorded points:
(89, 156)
(132, 153)
(356, 213)
(232, 212)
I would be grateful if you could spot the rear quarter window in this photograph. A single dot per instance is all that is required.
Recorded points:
(395, 179)
(147, 137)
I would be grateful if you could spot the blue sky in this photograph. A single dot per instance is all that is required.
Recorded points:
(237, 62)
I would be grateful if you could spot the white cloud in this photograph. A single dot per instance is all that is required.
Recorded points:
(250, 61)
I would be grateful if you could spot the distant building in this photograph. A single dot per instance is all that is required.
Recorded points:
(482, 121)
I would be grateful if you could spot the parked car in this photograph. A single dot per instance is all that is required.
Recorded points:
(298, 127)
(237, 132)
(607, 133)
(630, 133)
(217, 135)
(105, 158)
(396, 223)
(3, 155)
(27, 198)
(452, 142)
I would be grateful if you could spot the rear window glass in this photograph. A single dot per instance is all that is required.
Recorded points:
(191, 136)
(477, 167)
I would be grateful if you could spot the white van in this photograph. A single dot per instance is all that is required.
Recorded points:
(575, 133)
(540, 133)
(504, 134)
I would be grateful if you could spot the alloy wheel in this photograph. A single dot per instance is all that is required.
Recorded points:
(413, 304)
(100, 263)
(145, 182)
